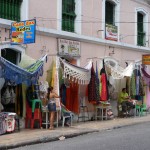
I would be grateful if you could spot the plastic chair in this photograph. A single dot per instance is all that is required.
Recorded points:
(64, 119)
(143, 109)
(34, 102)
(138, 109)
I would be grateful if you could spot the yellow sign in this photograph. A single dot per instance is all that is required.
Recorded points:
(146, 59)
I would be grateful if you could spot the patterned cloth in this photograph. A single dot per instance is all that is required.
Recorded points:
(19, 75)
(93, 87)
(104, 86)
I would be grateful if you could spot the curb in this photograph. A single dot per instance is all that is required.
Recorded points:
(52, 139)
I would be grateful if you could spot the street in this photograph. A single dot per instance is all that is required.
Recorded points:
(134, 137)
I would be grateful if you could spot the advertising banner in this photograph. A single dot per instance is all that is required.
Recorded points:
(68, 47)
(23, 32)
(146, 59)
(111, 32)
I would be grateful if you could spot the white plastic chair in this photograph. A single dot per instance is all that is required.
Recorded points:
(65, 117)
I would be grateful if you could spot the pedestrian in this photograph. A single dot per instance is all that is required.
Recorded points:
(51, 106)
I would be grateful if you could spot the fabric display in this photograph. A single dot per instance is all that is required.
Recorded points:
(75, 73)
(93, 87)
(28, 75)
(104, 84)
(137, 85)
(8, 94)
(7, 122)
(43, 86)
(118, 72)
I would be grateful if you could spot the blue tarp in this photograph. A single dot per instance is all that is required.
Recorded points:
(16, 74)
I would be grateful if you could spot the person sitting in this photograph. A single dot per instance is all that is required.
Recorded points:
(66, 112)
(126, 101)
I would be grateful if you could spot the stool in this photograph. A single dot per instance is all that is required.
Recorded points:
(103, 109)
(37, 116)
(45, 110)
(34, 102)
(84, 113)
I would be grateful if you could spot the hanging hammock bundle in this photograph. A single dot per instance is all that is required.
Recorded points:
(118, 72)
(75, 73)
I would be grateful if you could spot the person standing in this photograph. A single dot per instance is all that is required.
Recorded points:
(51, 106)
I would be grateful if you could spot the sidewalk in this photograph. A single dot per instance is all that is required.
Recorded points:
(32, 136)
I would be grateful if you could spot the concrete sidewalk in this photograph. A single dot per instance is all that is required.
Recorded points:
(32, 136)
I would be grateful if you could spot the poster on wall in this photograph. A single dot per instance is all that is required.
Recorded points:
(68, 47)
(146, 59)
(111, 32)
(23, 32)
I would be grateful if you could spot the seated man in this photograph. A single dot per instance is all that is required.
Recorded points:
(126, 101)
(66, 112)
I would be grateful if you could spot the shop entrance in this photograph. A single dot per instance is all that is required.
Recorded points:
(8, 92)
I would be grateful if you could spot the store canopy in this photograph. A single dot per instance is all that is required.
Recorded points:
(16, 74)
(76, 73)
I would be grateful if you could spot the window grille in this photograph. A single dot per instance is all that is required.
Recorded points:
(68, 15)
(10, 9)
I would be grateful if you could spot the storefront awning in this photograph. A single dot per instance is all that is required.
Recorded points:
(76, 73)
(16, 74)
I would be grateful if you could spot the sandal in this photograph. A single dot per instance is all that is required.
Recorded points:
(51, 128)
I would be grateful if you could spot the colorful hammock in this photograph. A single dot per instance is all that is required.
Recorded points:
(16, 74)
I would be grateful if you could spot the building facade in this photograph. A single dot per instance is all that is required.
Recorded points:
(115, 28)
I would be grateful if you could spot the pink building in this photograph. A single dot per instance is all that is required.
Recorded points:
(79, 31)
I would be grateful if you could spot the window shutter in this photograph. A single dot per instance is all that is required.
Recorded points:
(109, 13)
(68, 15)
(140, 30)
(10, 9)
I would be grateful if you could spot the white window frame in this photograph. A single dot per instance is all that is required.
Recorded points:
(117, 16)
(24, 10)
(78, 7)
(145, 19)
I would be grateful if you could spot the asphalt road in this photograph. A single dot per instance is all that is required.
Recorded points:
(135, 137)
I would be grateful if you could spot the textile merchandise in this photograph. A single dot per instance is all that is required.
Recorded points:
(19, 75)
(93, 87)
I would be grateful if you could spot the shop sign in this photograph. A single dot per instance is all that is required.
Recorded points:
(68, 47)
(111, 32)
(23, 32)
(146, 59)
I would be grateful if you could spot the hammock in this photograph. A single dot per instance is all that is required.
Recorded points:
(145, 73)
(118, 72)
(75, 73)
(29, 75)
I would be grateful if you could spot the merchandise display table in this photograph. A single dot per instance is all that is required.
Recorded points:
(103, 108)
(46, 120)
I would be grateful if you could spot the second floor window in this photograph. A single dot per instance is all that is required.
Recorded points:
(68, 15)
(110, 13)
(140, 30)
(10, 9)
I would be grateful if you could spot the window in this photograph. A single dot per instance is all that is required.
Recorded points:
(110, 13)
(10, 9)
(140, 30)
(68, 15)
